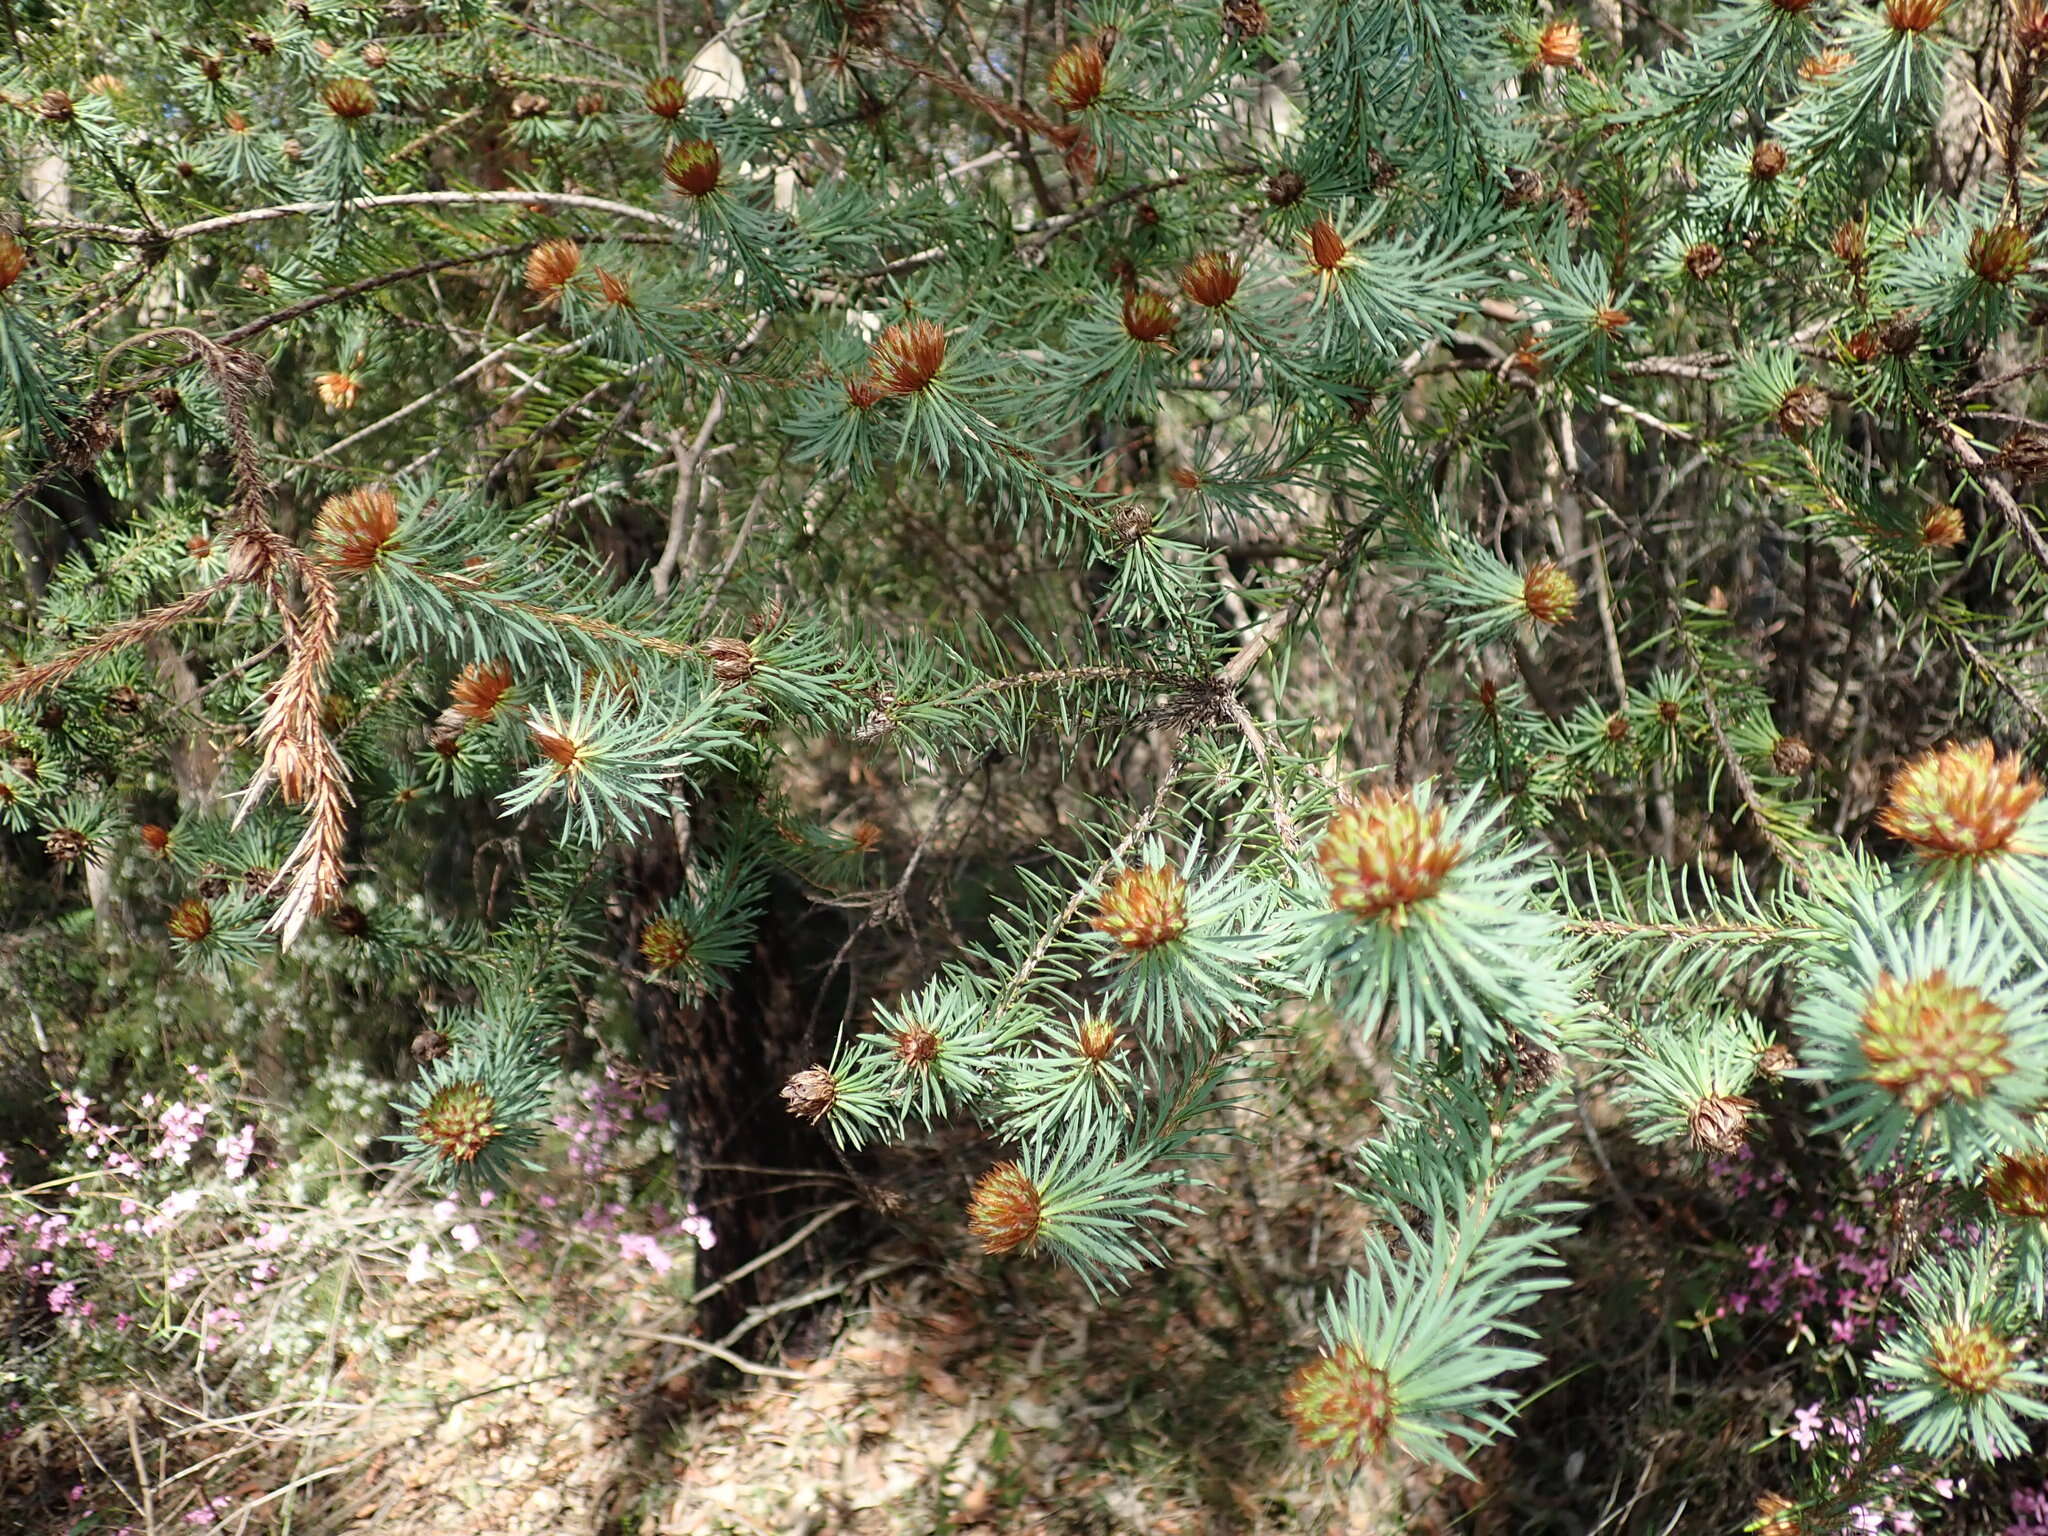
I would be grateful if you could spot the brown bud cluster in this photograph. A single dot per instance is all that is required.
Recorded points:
(1790, 756)
(1942, 527)
(1006, 1210)
(811, 1094)
(906, 359)
(1999, 253)
(1767, 161)
(1148, 316)
(1076, 77)
(13, 261)
(693, 168)
(1549, 596)
(349, 99)
(551, 266)
(1959, 801)
(1210, 280)
(459, 1122)
(357, 528)
(1703, 259)
(1144, 908)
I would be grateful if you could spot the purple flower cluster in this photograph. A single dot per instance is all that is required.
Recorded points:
(2029, 1512)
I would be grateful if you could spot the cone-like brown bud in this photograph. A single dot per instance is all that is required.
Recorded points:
(1931, 1041)
(1718, 1123)
(1548, 594)
(155, 838)
(1144, 908)
(1970, 1357)
(1791, 756)
(191, 920)
(1999, 253)
(665, 97)
(459, 1121)
(665, 944)
(1942, 527)
(1244, 20)
(1076, 77)
(1148, 316)
(1913, 15)
(430, 1046)
(1776, 1060)
(1703, 259)
(1095, 1039)
(1767, 161)
(2018, 1186)
(349, 99)
(811, 1094)
(13, 261)
(1825, 64)
(1900, 333)
(478, 690)
(1959, 801)
(357, 528)
(527, 105)
(1560, 45)
(1342, 1405)
(693, 167)
(906, 358)
(1326, 248)
(55, 106)
(732, 661)
(1286, 187)
(1864, 347)
(552, 266)
(1803, 408)
(2024, 456)
(1210, 280)
(1006, 1210)
(338, 390)
(1385, 853)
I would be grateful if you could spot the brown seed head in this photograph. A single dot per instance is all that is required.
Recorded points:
(1913, 15)
(1245, 19)
(866, 836)
(13, 261)
(1767, 161)
(693, 167)
(1900, 333)
(1006, 1210)
(1790, 756)
(459, 1121)
(1342, 1405)
(906, 358)
(1611, 320)
(1999, 253)
(613, 288)
(1775, 1060)
(55, 106)
(1933, 1041)
(527, 105)
(552, 266)
(357, 528)
(1095, 1039)
(1285, 188)
(1326, 248)
(1384, 854)
(590, 104)
(732, 661)
(1210, 280)
(1616, 728)
(1703, 259)
(1970, 1358)
(2018, 1186)
(1942, 527)
(1718, 1123)
(864, 393)
(349, 99)
(1560, 45)
(191, 920)
(1129, 523)
(155, 838)
(1851, 244)
(1075, 79)
(1826, 64)
(665, 97)
(915, 1046)
(1959, 801)
(1803, 408)
(665, 944)
(1148, 317)
(430, 1046)
(1548, 595)
(1143, 908)
(479, 689)
(811, 1093)
(66, 845)
(1864, 347)
(2024, 456)
(338, 390)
